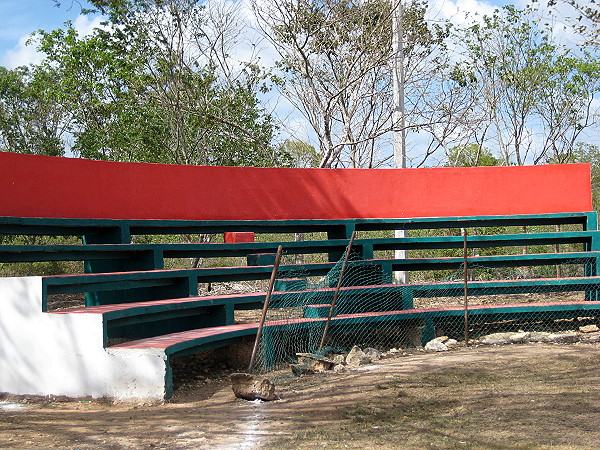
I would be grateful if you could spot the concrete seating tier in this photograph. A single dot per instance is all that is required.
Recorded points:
(157, 314)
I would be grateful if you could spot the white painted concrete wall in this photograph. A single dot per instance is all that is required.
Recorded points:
(62, 354)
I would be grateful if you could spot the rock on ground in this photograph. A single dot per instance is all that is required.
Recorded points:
(250, 387)
(563, 338)
(302, 369)
(496, 339)
(436, 346)
(591, 337)
(520, 337)
(339, 368)
(339, 359)
(356, 358)
(535, 336)
(451, 343)
(372, 353)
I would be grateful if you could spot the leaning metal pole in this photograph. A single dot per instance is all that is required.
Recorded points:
(337, 291)
(265, 307)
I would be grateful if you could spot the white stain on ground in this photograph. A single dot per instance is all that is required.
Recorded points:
(11, 406)
(249, 434)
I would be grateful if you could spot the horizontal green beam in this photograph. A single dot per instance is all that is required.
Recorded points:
(74, 227)
(130, 280)
(29, 253)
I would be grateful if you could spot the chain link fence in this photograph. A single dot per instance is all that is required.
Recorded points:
(370, 312)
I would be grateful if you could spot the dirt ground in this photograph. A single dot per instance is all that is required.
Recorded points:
(514, 396)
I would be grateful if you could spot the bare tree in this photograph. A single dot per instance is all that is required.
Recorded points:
(336, 60)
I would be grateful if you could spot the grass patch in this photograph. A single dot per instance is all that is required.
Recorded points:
(543, 403)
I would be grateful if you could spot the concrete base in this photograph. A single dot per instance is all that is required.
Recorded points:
(62, 354)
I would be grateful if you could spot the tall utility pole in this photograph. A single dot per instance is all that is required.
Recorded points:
(398, 85)
(398, 116)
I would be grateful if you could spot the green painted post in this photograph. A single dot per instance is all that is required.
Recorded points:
(387, 273)
(118, 234)
(168, 380)
(158, 261)
(428, 332)
(229, 314)
(343, 231)
(591, 223)
(591, 269)
(366, 251)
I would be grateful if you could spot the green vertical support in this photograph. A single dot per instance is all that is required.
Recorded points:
(428, 332)
(229, 314)
(158, 259)
(386, 273)
(340, 232)
(118, 234)
(591, 223)
(366, 251)
(591, 269)
(168, 379)
(193, 285)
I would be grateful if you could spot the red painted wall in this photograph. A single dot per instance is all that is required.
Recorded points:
(42, 186)
(235, 237)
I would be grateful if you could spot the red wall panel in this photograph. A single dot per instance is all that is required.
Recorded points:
(42, 186)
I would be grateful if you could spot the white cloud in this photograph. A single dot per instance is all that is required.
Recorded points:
(23, 54)
(459, 12)
(85, 26)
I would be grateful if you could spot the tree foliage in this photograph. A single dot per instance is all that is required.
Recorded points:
(535, 96)
(156, 83)
(30, 122)
(471, 155)
(301, 154)
(161, 81)
(588, 154)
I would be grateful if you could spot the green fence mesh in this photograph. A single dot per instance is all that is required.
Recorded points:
(373, 312)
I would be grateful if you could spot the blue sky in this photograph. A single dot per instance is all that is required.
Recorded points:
(22, 17)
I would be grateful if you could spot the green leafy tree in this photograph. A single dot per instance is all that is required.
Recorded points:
(588, 154)
(301, 154)
(152, 85)
(584, 18)
(471, 155)
(30, 122)
(535, 96)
